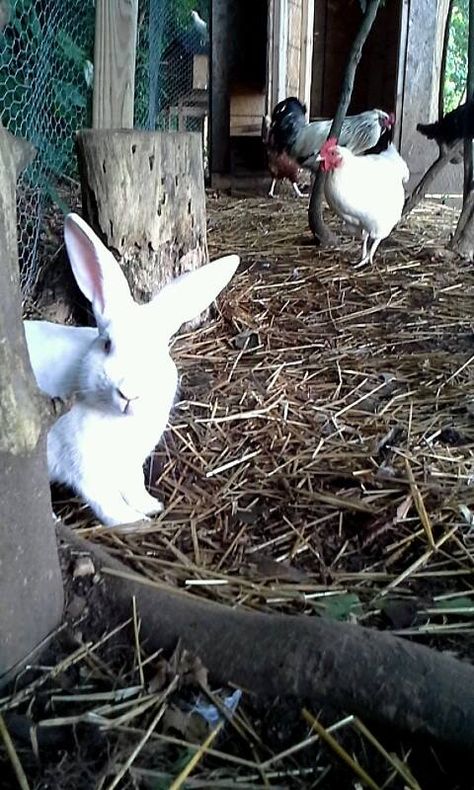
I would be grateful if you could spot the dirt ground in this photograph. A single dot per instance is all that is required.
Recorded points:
(319, 460)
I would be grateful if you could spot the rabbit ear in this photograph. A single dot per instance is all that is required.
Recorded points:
(95, 269)
(189, 294)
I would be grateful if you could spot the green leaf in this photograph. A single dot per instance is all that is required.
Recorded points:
(34, 24)
(55, 197)
(340, 607)
(67, 95)
(463, 602)
(70, 49)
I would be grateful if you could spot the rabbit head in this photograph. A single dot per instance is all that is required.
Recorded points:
(127, 364)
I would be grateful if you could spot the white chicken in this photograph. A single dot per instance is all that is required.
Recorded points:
(365, 191)
(302, 141)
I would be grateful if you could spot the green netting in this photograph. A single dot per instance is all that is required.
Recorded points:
(46, 79)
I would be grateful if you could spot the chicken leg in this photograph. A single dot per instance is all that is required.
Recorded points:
(297, 190)
(271, 191)
(367, 258)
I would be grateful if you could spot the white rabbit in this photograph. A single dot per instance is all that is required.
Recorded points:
(121, 373)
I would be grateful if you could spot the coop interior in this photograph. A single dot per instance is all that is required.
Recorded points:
(248, 86)
(254, 45)
(317, 464)
(376, 80)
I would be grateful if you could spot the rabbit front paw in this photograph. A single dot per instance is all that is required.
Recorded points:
(145, 503)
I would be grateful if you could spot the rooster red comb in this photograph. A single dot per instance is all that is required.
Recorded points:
(328, 146)
(389, 121)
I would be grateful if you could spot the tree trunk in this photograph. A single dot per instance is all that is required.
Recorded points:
(143, 193)
(383, 678)
(315, 211)
(31, 592)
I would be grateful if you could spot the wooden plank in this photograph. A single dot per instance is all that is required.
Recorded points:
(306, 58)
(280, 50)
(401, 68)
(294, 23)
(246, 110)
(114, 63)
(270, 48)
(293, 75)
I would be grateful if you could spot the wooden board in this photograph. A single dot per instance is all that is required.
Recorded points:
(200, 72)
(114, 64)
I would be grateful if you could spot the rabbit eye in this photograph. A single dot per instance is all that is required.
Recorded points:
(107, 345)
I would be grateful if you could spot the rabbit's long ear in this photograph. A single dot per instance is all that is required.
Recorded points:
(190, 293)
(95, 269)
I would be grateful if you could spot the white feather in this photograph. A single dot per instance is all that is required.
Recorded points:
(367, 192)
(359, 133)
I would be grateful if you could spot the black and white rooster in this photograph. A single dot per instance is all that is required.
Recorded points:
(302, 140)
(280, 164)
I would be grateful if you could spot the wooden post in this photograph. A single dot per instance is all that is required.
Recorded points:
(114, 64)
(31, 592)
(143, 193)
(220, 90)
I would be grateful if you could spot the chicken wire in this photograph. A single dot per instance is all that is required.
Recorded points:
(46, 78)
(46, 51)
(171, 86)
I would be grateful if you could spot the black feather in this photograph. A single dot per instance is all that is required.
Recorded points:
(456, 125)
(288, 118)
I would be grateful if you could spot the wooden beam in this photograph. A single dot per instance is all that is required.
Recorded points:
(114, 64)
(401, 70)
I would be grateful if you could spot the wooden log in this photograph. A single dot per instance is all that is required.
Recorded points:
(31, 593)
(143, 193)
(114, 64)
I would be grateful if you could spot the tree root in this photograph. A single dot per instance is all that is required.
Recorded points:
(373, 674)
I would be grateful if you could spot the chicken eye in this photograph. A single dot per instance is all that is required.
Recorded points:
(107, 345)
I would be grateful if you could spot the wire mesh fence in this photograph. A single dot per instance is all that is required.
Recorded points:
(46, 51)
(46, 81)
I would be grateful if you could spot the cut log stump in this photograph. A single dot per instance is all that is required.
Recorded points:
(143, 193)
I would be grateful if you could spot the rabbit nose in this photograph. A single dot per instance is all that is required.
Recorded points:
(126, 398)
